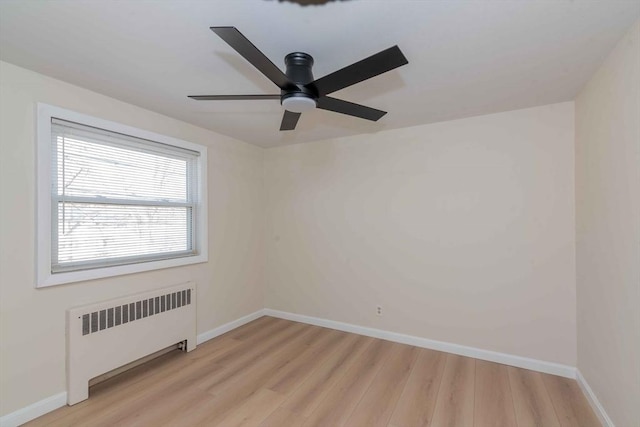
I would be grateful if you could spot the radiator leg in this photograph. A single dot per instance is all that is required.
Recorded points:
(191, 344)
(77, 392)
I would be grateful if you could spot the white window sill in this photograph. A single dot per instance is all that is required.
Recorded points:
(100, 273)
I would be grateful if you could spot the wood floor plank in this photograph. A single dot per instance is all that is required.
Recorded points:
(171, 402)
(255, 410)
(212, 349)
(572, 408)
(454, 405)
(531, 401)
(333, 405)
(378, 402)
(234, 391)
(493, 401)
(250, 329)
(265, 339)
(418, 400)
(290, 376)
(189, 415)
(309, 394)
(283, 417)
(246, 356)
(313, 338)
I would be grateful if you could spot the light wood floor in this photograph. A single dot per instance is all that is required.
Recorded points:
(273, 372)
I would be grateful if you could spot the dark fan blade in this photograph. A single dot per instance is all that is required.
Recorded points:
(289, 120)
(372, 66)
(346, 107)
(231, 97)
(244, 47)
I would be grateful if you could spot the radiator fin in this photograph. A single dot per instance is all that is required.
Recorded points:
(122, 314)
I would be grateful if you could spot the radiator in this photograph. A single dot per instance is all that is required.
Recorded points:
(107, 335)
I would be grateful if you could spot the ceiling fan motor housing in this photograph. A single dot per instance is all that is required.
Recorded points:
(298, 69)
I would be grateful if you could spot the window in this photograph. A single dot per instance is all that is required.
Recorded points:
(114, 199)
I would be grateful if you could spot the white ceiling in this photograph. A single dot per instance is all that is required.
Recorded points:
(465, 57)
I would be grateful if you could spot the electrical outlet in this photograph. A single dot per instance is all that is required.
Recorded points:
(379, 310)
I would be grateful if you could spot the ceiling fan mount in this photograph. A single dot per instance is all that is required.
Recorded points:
(299, 91)
(298, 98)
(299, 66)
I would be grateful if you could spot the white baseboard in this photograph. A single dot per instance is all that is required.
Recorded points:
(492, 356)
(593, 400)
(59, 400)
(34, 410)
(206, 336)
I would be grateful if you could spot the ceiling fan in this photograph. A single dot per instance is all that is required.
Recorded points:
(299, 92)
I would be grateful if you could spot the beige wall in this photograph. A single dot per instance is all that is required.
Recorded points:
(608, 231)
(32, 356)
(463, 231)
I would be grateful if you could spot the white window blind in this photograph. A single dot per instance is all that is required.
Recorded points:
(118, 199)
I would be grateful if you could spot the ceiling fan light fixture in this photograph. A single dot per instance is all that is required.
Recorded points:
(298, 103)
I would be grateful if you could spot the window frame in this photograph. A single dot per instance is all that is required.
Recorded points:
(44, 214)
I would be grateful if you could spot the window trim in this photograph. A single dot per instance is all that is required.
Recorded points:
(44, 276)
